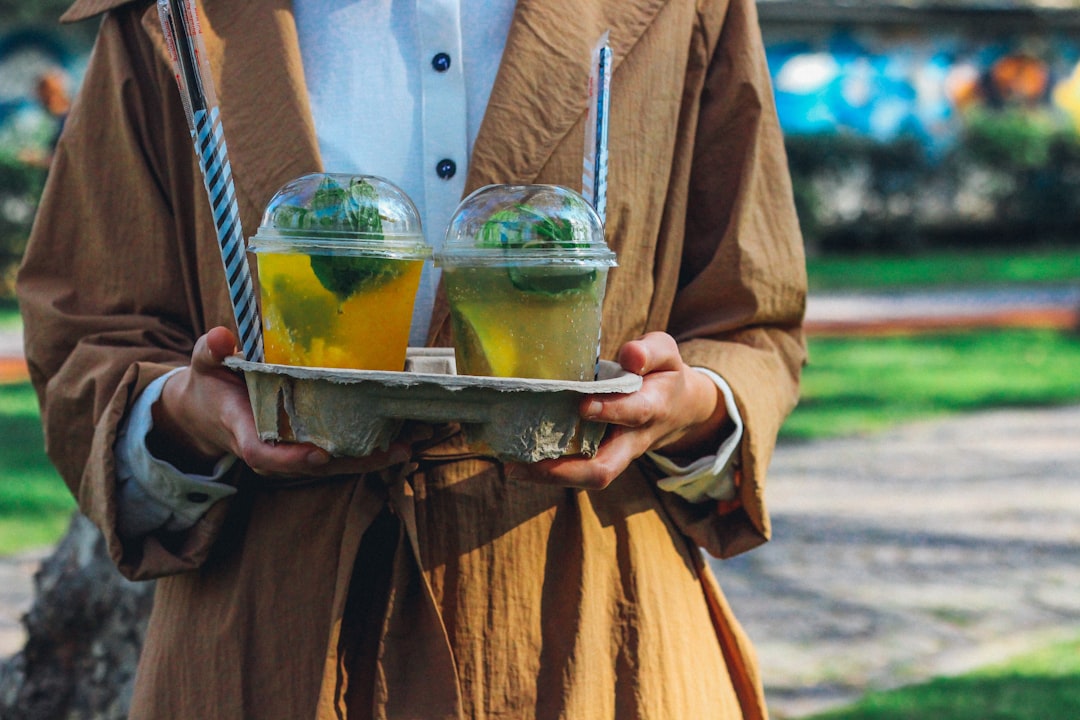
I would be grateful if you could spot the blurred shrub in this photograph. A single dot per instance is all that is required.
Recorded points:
(20, 188)
(854, 193)
(1042, 160)
(1012, 180)
(14, 12)
(1013, 139)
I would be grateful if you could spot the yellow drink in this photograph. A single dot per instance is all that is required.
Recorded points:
(527, 322)
(306, 324)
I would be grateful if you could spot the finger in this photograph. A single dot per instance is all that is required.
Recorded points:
(613, 456)
(629, 410)
(652, 352)
(269, 459)
(221, 343)
(266, 458)
(211, 349)
(306, 459)
(379, 460)
(575, 472)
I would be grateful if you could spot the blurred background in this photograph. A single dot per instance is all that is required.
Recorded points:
(933, 129)
(41, 64)
(925, 491)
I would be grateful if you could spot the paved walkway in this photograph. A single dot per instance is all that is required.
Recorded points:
(12, 364)
(16, 596)
(1049, 306)
(929, 549)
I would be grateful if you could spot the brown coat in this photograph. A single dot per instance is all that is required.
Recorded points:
(500, 599)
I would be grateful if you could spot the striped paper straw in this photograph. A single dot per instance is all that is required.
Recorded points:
(594, 172)
(180, 23)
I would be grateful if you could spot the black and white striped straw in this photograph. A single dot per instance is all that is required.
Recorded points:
(180, 23)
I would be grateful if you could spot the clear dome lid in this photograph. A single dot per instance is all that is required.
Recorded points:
(525, 225)
(341, 214)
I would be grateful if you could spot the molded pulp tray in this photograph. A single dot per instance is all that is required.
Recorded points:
(354, 412)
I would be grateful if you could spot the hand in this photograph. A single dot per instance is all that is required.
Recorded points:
(678, 410)
(204, 413)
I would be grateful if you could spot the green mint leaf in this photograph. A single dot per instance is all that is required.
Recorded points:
(354, 209)
(344, 275)
(551, 281)
(524, 227)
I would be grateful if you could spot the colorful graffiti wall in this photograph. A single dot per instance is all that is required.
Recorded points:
(886, 82)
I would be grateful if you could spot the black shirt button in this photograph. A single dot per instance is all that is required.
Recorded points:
(441, 62)
(446, 168)
(197, 497)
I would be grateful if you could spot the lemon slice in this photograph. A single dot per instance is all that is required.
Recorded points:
(489, 349)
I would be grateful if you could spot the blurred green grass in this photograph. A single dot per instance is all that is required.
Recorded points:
(954, 269)
(1042, 685)
(857, 385)
(9, 314)
(35, 505)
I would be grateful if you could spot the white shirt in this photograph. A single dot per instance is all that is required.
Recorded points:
(433, 64)
(405, 99)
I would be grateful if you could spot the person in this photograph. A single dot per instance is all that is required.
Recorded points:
(52, 94)
(427, 580)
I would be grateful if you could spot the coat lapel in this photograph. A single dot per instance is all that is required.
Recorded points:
(540, 92)
(262, 96)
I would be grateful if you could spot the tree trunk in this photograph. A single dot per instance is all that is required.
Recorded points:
(85, 629)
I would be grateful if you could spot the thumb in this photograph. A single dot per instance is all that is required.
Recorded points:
(212, 349)
(650, 353)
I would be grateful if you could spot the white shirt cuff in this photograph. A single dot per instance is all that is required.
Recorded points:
(711, 477)
(152, 493)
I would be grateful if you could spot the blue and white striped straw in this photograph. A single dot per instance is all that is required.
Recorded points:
(180, 23)
(595, 169)
(594, 174)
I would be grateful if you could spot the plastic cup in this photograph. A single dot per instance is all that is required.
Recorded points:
(338, 259)
(525, 268)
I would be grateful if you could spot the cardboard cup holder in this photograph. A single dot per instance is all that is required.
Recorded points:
(355, 412)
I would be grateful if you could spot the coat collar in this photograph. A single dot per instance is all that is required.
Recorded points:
(83, 9)
(538, 96)
(260, 85)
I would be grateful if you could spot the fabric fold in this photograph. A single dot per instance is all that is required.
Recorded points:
(388, 654)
